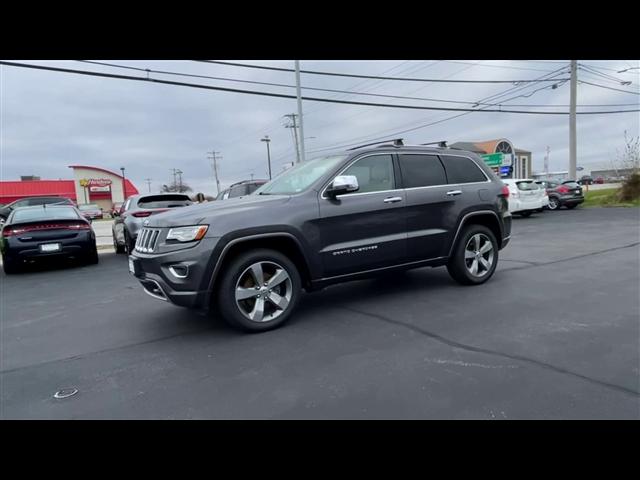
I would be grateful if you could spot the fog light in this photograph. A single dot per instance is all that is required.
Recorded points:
(179, 271)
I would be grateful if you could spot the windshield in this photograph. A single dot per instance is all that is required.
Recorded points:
(300, 177)
(90, 206)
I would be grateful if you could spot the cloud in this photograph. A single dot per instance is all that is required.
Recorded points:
(51, 120)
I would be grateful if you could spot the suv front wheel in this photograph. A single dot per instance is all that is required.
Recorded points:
(259, 290)
(475, 256)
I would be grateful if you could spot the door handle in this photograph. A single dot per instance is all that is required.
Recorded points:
(392, 199)
(451, 193)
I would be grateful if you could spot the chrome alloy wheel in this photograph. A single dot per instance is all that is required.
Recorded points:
(263, 291)
(479, 255)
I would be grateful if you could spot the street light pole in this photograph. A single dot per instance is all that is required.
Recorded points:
(572, 120)
(124, 194)
(267, 140)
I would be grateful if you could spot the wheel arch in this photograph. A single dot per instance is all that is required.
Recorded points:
(487, 218)
(283, 242)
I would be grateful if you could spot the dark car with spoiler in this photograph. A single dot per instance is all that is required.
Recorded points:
(42, 232)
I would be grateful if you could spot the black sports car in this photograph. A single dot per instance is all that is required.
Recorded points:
(32, 233)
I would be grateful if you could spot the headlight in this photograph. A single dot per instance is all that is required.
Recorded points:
(187, 234)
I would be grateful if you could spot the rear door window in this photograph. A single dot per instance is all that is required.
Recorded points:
(422, 171)
(462, 170)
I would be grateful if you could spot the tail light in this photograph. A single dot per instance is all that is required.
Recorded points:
(563, 189)
(146, 213)
(9, 232)
(505, 191)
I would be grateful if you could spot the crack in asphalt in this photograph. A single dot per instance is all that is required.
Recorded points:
(97, 352)
(597, 252)
(495, 353)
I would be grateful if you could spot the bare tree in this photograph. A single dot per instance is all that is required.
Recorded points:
(629, 160)
(176, 187)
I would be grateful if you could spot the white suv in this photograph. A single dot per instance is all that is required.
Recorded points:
(526, 196)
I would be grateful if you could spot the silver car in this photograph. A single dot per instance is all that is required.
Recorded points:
(128, 220)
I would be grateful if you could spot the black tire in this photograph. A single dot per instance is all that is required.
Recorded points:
(117, 247)
(128, 243)
(571, 206)
(554, 203)
(92, 257)
(526, 213)
(9, 266)
(457, 265)
(230, 309)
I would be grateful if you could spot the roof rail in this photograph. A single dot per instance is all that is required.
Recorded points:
(441, 143)
(397, 142)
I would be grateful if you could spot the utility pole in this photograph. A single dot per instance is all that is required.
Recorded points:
(546, 163)
(213, 156)
(148, 181)
(293, 125)
(179, 172)
(572, 121)
(175, 180)
(300, 112)
(267, 140)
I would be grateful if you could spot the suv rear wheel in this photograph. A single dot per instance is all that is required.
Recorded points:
(474, 257)
(259, 290)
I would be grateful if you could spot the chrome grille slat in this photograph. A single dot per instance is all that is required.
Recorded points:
(147, 240)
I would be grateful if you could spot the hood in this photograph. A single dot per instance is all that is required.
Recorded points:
(205, 213)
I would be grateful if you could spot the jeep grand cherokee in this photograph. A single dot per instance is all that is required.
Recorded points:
(341, 217)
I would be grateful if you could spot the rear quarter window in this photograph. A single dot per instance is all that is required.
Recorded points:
(462, 170)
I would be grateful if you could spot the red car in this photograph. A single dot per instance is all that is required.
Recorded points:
(91, 211)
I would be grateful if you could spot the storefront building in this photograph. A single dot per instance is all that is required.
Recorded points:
(89, 185)
(503, 158)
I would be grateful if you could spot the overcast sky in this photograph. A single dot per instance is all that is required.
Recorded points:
(50, 120)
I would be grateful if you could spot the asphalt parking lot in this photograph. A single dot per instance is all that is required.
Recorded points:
(554, 335)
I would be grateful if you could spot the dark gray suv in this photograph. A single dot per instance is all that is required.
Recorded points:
(328, 220)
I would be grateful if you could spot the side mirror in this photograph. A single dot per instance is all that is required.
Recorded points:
(343, 184)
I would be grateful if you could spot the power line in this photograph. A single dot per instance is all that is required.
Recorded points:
(609, 88)
(606, 68)
(593, 71)
(496, 66)
(345, 92)
(312, 99)
(497, 95)
(335, 74)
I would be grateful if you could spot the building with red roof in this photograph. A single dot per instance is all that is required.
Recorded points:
(89, 185)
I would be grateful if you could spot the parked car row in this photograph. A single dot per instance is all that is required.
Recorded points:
(527, 196)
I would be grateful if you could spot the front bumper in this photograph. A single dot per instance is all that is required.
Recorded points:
(180, 277)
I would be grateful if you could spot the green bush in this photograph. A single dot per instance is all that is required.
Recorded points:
(630, 189)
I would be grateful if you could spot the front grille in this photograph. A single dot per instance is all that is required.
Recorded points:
(147, 240)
